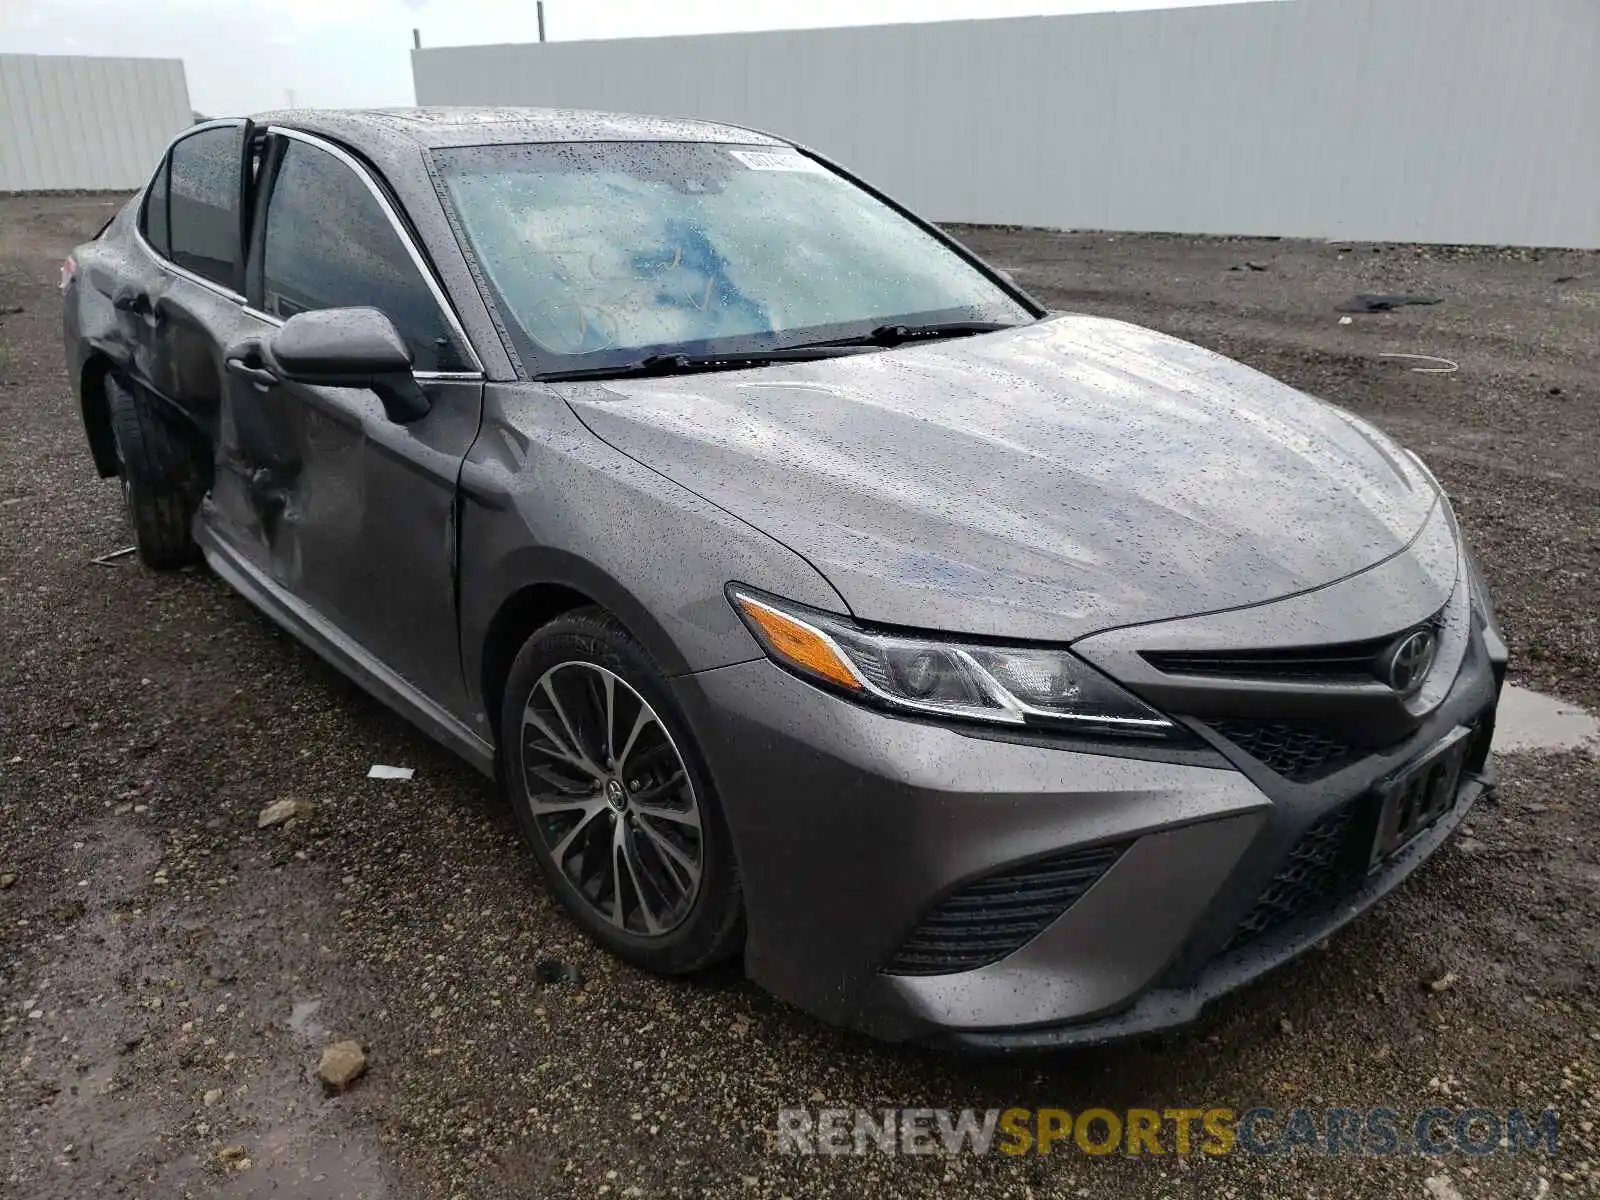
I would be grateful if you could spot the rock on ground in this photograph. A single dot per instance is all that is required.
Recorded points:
(280, 811)
(342, 1064)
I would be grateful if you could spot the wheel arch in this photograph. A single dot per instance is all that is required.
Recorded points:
(549, 584)
(513, 623)
(96, 409)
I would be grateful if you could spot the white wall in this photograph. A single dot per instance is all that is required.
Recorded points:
(1416, 120)
(68, 121)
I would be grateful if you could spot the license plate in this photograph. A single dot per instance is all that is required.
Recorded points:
(1419, 794)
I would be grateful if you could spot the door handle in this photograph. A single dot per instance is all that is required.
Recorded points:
(259, 376)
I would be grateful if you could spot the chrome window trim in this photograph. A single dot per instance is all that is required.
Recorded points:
(138, 233)
(426, 271)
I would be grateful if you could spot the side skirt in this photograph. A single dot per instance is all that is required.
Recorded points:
(339, 651)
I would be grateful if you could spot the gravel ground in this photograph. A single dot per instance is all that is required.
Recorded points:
(169, 973)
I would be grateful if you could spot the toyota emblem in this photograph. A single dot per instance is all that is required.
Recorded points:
(1410, 661)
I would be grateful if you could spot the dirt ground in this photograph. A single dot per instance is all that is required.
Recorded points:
(169, 973)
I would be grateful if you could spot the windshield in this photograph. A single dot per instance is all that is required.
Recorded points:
(600, 253)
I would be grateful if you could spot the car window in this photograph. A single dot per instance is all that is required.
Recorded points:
(329, 244)
(153, 218)
(204, 200)
(600, 251)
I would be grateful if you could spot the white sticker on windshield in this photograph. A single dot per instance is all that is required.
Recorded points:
(778, 160)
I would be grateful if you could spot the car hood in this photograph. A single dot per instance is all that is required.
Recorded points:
(1042, 483)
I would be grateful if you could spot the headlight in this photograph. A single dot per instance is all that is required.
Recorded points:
(1004, 685)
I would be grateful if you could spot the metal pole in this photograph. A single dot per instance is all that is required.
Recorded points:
(540, 7)
(416, 39)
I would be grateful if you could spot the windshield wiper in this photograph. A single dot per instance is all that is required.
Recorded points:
(688, 364)
(898, 335)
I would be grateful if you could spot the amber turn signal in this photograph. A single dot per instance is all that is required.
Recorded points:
(798, 644)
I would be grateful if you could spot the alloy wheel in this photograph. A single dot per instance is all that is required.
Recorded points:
(611, 799)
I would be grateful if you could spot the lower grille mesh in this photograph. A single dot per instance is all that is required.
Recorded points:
(1324, 864)
(1332, 856)
(984, 921)
(1301, 752)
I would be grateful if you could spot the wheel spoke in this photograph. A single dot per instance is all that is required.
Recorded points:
(672, 856)
(689, 816)
(559, 850)
(557, 749)
(551, 804)
(630, 854)
(646, 715)
(572, 734)
(559, 784)
(617, 914)
(611, 717)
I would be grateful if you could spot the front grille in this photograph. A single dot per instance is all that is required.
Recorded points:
(1337, 662)
(1343, 662)
(1299, 751)
(984, 921)
(1327, 861)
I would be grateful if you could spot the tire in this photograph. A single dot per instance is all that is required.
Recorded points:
(156, 462)
(574, 809)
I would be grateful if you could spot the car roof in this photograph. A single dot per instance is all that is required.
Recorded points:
(481, 126)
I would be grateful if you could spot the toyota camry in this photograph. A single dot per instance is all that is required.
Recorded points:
(972, 672)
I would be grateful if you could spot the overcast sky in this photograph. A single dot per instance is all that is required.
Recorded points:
(244, 55)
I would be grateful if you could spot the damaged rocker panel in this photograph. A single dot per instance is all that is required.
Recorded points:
(342, 652)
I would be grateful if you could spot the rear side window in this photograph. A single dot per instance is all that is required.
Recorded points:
(153, 220)
(204, 204)
(329, 244)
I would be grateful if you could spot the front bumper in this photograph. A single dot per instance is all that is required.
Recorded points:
(1171, 1004)
(851, 826)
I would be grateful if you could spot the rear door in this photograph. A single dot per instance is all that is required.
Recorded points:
(183, 302)
(350, 512)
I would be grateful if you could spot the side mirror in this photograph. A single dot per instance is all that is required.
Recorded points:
(348, 347)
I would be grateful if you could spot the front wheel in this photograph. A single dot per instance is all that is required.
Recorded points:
(610, 795)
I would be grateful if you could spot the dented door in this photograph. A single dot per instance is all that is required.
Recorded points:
(353, 514)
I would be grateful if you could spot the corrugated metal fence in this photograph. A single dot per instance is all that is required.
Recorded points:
(68, 121)
(1426, 120)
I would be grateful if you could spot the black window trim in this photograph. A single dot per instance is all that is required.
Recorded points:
(271, 151)
(138, 232)
(440, 298)
(424, 267)
(163, 170)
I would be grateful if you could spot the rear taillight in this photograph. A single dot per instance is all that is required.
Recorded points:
(69, 270)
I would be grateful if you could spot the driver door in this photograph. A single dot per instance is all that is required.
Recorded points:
(316, 488)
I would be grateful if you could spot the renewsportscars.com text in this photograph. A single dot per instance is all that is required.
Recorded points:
(1140, 1131)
